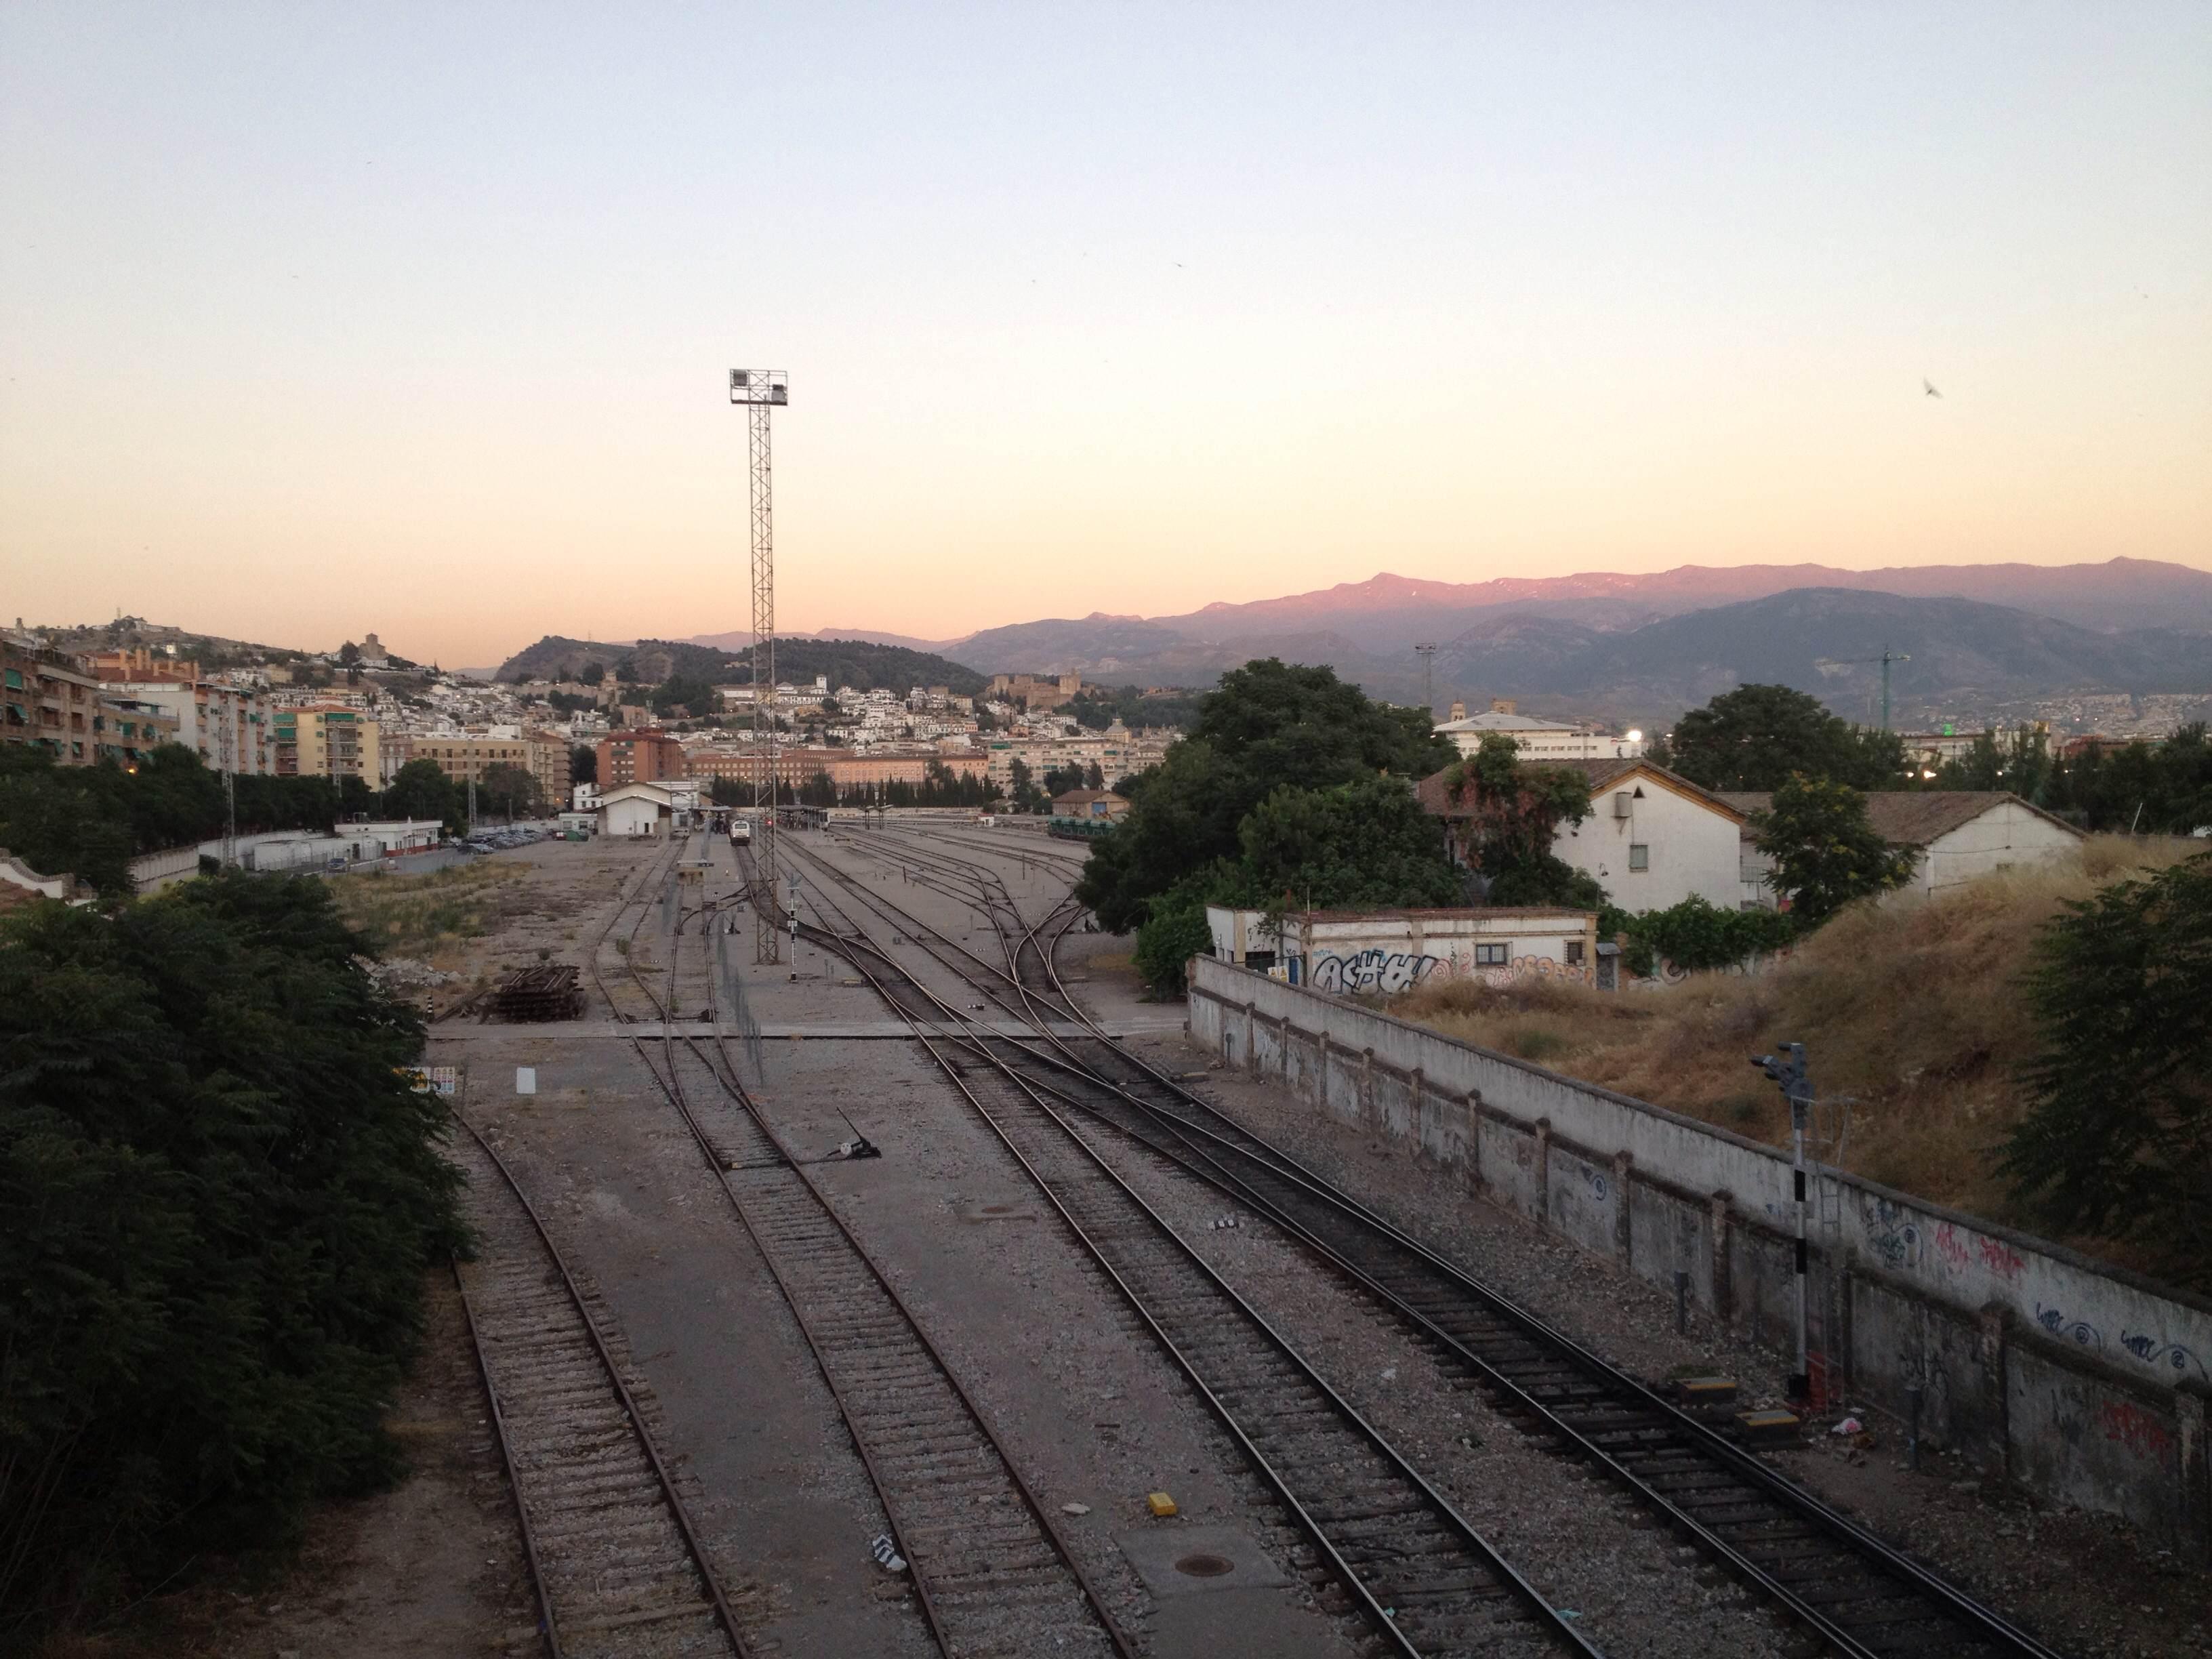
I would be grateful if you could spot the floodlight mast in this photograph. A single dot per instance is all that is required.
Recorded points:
(761, 390)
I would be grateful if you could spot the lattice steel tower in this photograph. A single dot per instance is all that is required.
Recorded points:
(761, 390)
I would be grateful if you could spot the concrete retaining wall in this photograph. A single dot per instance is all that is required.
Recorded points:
(2080, 1381)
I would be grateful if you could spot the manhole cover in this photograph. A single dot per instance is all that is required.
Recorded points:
(1204, 1566)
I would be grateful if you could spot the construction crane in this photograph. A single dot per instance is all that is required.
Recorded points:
(760, 390)
(1886, 658)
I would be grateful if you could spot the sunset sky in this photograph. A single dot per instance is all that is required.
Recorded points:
(416, 318)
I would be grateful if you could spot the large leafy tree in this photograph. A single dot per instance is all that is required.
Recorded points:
(511, 790)
(1756, 737)
(2119, 1139)
(1826, 854)
(1514, 813)
(1269, 726)
(221, 1196)
(420, 789)
(1363, 843)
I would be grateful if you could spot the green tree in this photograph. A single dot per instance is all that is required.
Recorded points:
(591, 673)
(511, 791)
(1175, 932)
(1826, 854)
(583, 763)
(59, 825)
(1366, 843)
(1025, 794)
(1060, 779)
(1269, 726)
(420, 789)
(626, 671)
(1514, 811)
(2117, 1140)
(221, 1197)
(1755, 737)
(687, 692)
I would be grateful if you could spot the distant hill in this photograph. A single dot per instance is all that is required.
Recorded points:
(742, 639)
(860, 663)
(1823, 639)
(1386, 609)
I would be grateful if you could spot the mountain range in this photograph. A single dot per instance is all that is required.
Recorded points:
(1648, 645)
(1639, 648)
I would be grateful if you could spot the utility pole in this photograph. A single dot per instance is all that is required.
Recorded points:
(761, 390)
(229, 753)
(1797, 1089)
(1427, 654)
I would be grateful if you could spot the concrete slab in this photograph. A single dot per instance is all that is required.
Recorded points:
(1186, 1560)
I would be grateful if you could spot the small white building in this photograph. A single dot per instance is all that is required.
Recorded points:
(641, 810)
(584, 797)
(1959, 835)
(1652, 838)
(1347, 951)
(1538, 739)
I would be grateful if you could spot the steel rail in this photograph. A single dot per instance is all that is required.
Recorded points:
(547, 1628)
(717, 1603)
(1552, 1625)
(1982, 1624)
(916, 1553)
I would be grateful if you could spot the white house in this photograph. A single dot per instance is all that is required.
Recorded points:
(1960, 834)
(637, 809)
(1355, 951)
(1538, 739)
(1652, 839)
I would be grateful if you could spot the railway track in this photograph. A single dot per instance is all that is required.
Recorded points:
(993, 1574)
(1427, 1581)
(1857, 1593)
(614, 1554)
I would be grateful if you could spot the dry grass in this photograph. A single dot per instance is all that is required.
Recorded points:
(427, 917)
(1916, 1008)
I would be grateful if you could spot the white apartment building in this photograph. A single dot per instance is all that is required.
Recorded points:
(1540, 739)
(206, 711)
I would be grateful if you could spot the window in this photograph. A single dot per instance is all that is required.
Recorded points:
(1491, 956)
(1639, 855)
(1573, 948)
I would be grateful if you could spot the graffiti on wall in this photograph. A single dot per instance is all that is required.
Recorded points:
(1389, 972)
(2079, 1332)
(1375, 969)
(2152, 1351)
(2139, 1431)
(1893, 1235)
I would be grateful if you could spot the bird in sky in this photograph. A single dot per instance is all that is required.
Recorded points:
(1932, 392)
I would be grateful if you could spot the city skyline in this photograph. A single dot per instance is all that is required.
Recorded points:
(418, 322)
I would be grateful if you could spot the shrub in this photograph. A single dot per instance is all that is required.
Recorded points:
(220, 1195)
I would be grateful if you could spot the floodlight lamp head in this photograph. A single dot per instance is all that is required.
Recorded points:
(760, 386)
